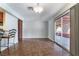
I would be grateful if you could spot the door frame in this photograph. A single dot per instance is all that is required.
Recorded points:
(20, 28)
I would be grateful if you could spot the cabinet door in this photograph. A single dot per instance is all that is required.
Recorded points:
(1, 17)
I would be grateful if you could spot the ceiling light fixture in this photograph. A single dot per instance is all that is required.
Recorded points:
(38, 8)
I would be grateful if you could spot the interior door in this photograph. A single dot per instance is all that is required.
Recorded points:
(20, 30)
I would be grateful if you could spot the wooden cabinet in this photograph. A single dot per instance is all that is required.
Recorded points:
(1, 17)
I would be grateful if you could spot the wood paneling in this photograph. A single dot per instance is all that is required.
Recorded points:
(74, 24)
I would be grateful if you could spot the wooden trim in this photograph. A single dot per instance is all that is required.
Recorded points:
(20, 32)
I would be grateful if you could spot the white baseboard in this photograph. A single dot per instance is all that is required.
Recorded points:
(50, 38)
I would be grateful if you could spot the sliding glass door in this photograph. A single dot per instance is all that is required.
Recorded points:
(62, 32)
(58, 31)
(66, 31)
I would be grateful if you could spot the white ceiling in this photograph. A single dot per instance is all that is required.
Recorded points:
(50, 9)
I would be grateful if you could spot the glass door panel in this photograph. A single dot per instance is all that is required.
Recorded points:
(58, 31)
(62, 31)
(66, 31)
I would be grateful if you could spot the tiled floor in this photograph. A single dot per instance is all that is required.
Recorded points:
(35, 47)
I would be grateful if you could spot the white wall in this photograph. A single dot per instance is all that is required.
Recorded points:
(10, 22)
(67, 7)
(5, 7)
(51, 29)
(35, 29)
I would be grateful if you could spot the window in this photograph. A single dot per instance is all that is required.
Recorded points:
(62, 31)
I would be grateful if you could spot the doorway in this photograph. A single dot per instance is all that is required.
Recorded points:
(20, 30)
(62, 32)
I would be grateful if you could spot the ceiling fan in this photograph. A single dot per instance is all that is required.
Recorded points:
(37, 8)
